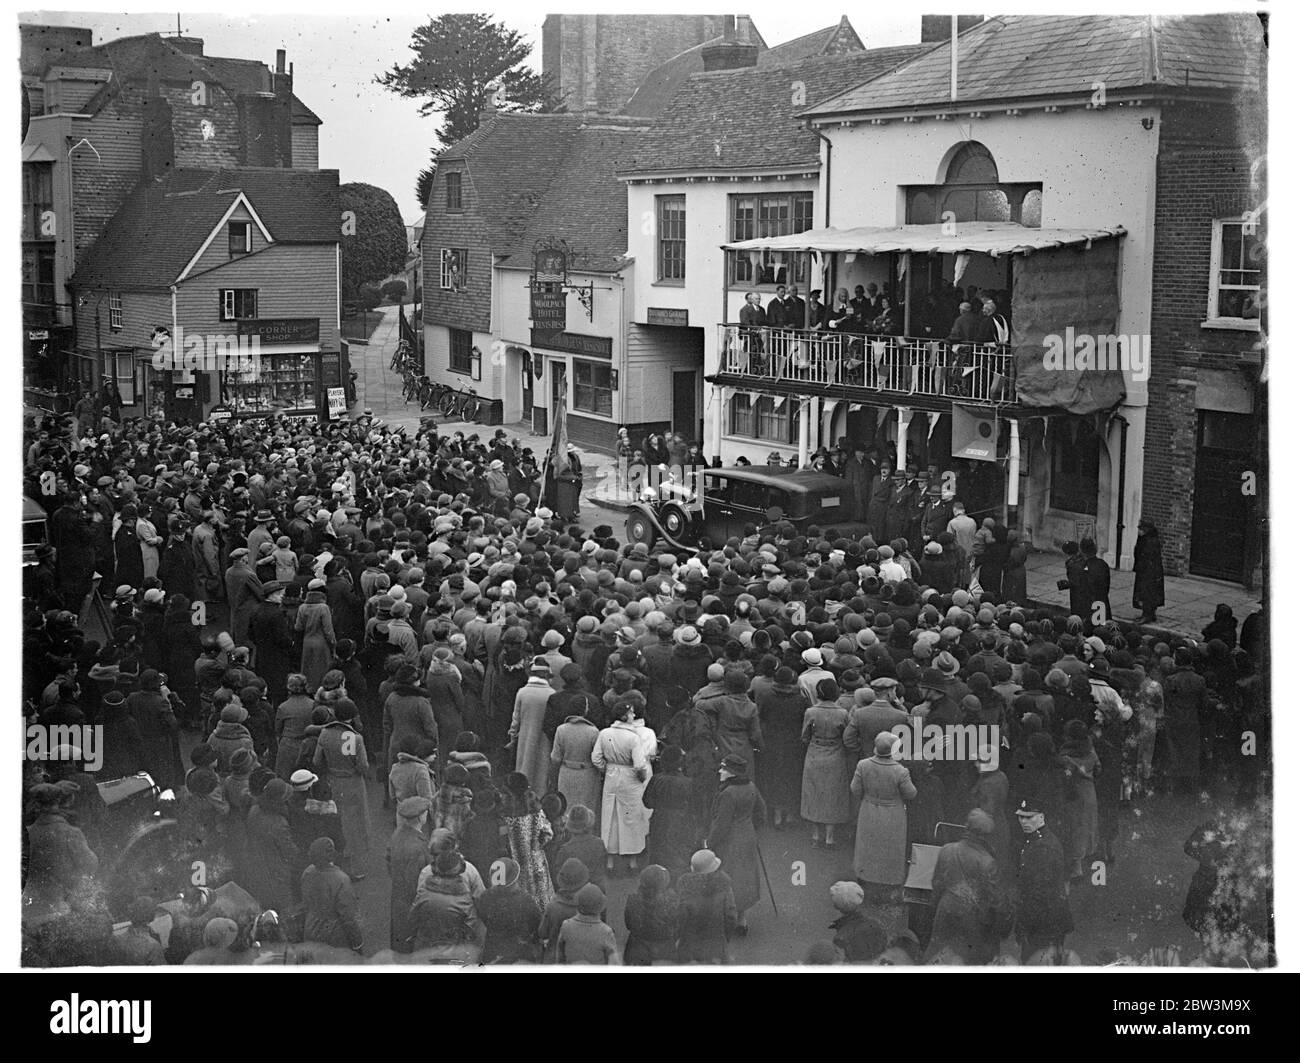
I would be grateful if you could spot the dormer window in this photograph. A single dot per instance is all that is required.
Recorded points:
(241, 238)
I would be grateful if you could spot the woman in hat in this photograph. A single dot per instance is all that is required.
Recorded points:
(152, 710)
(884, 787)
(273, 856)
(738, 812)
(229, 735)
(292, 718)
(781, 709)
(527, 832)
(571, 878)
(316, 627)
(573, 773)
(827, 771)
(408, 856)
(407, 712)
(707, 911)
(621, 754)
(443, 919)
(585, 938)
(1148, 572)
(510, 917)
(507, 672)
(126, 548)
(527, 734)
(674, 823)
(342, 757)
(651, 916)
(330, 914)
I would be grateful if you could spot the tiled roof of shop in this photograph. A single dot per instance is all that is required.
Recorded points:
(1015, 56)
(734, 120)
(512, 159)
(161, 225)
(586, 203)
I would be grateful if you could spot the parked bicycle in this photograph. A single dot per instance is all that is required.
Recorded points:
(460, 405)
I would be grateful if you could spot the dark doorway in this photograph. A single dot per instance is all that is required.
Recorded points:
(685, 419)
(1225, 445)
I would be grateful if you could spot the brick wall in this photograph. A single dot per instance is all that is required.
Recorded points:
(1202, 173)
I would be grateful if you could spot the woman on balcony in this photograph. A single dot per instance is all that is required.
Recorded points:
(890, 321)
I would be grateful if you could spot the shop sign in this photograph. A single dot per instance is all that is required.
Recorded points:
(220, 415)
(574, 343)
(281, 330)
(665, 315)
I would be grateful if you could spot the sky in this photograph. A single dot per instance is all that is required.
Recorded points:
(370, 134)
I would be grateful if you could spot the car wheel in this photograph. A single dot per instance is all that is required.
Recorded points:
(674, 521)
(640, 530)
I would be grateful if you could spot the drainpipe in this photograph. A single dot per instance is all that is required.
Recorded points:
(1013, 474)
(1119, 500)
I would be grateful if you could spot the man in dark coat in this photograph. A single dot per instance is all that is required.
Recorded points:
(971, 909)
(858, 473)
(271, 638)
(329, 901)
(74, 542)
(898, 512)
(510, 916)
(1043, 912)
(738, 812)
(408, 855)
(1080, 605)
(1148, 572)
(1095, 576)
(882, 489)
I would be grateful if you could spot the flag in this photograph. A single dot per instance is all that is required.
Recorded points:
(558, 457)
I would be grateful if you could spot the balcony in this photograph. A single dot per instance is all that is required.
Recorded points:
(862, 367)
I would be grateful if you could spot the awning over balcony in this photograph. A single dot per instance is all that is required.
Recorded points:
(988, 238)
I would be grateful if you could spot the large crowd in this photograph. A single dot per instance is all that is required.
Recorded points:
(298, 613)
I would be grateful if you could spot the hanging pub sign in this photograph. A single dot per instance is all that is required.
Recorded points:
(549, 300)
(549, 311)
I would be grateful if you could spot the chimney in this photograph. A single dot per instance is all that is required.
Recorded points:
(489, 108)
(729, 28)
(937, 29)
(279, 60)
(188, 45)
(733, 52)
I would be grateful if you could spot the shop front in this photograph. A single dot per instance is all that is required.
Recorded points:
(278, 369)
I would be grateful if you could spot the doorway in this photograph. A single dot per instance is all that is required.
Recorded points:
(1221, 514)
(686, 422)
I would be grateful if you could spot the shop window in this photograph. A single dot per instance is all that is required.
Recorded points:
(279, 383)
(124, 374)
(1236, 256)
(238, 304)
(671, 215)
(1076, 460)
(593, 389)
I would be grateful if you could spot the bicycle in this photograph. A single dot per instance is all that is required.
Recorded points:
(402, 355)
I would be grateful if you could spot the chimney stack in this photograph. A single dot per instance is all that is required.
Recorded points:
(188, 45)
(279, 60)
(732, 52)
(937, 29)
(728, 28)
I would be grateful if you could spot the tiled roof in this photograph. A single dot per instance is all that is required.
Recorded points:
(1017, 56)
(511, 159)
(586, 203)
(161, 225)
(734, 120)
(810, 45)
(303, 114)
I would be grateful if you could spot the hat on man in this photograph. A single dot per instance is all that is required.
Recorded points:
(735, 763)
(411, 807)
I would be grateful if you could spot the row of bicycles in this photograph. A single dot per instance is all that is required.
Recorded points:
(453, 403)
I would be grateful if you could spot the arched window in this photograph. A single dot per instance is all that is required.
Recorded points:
(972, 165)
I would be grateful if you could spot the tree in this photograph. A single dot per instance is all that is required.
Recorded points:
(374, 236)
(457, 58)
(424, 182)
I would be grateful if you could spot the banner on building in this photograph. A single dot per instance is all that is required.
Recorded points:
(974, 433)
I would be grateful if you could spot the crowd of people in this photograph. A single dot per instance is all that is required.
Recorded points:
(299, 613)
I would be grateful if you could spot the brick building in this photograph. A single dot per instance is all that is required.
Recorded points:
(1211, 426)
(106, 117)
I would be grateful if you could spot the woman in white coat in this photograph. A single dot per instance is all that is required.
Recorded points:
(150, 540)
(623, 751)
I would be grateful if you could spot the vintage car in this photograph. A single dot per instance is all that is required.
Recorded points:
(34, 529)
(717, 504)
